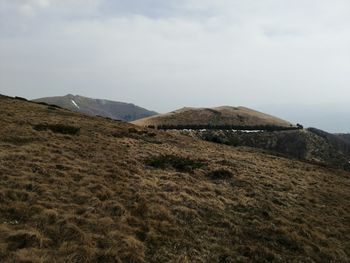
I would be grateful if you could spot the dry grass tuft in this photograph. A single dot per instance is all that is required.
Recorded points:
(26, 239)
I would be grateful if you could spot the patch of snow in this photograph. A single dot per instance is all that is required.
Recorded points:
(75, 104)
(252, 131)
(248, 131)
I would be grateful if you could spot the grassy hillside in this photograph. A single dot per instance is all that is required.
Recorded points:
(213, 117)
(76, 188)
(310, 145)
(344, 136)
(105, 108)
(338, 142)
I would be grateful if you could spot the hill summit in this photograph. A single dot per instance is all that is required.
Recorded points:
(218, 117)
(106, 108)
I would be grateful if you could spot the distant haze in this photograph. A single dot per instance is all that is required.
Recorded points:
(332, 118)
(288, 58)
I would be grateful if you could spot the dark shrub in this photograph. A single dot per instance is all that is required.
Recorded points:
(24, 239)
(51, 108)
(18, 140)
(42, 103)
(40, 127)
(220, 174)
(20, 98)
(181, 164)
(287, 243)
(58, 128)
(210, 136)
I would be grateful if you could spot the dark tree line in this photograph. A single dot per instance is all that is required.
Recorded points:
(225, 127)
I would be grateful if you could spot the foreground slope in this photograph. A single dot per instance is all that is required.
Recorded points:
(213, 117)
(106, 108)
(76, 188)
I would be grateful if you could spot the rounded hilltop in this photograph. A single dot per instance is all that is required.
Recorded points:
(218, 117)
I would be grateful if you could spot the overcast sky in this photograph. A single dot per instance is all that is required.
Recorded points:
(167, 54)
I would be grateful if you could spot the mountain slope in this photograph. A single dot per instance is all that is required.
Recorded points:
(311, 145)
(213, 117)
(338, 142)
(344, 136)
(76, 188)
(216, 124)
(105, 108)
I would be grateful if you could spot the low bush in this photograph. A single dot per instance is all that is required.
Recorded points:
(220, 174)
(17, 140)
(58, 128)
(24, 239)
(20, 98)
(181, 164)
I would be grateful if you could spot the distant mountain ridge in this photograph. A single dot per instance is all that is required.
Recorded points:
(106, 108)
(218, 117)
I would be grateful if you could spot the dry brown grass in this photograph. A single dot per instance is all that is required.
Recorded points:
(91, 197)
(219, 116)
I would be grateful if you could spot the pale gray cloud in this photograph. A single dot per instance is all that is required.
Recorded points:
(168, 54)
